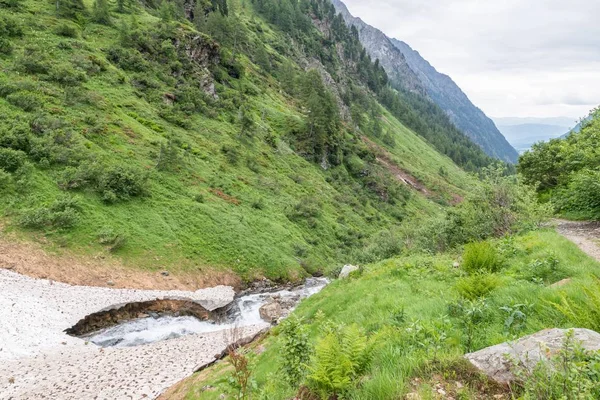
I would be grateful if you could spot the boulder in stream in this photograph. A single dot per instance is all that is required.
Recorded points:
(271, 311)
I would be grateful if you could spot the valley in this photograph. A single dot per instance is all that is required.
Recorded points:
(275, 200)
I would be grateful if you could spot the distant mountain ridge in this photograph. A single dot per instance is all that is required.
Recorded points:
(523, 136)
(403, 65)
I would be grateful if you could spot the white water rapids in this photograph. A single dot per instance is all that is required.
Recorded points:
(153, 329)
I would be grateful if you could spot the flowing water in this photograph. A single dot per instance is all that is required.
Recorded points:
(154, 328)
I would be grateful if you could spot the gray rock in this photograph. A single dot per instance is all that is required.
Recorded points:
(497, 361)
(215, 297)
(561, 283)
(271, 312)
(347, 270)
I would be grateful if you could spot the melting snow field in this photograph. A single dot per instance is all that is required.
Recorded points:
(153, 329)
(39, 361)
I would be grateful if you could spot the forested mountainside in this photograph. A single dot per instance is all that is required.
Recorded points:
(408, 71)
(467, 117)
(567, 170)
(257, 137)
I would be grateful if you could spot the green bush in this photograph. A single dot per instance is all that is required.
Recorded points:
(477, 286)
(113, 183)
(11, 160)
(62, 214)
(10, 28)
(66, 75)
(543, 271)
(27, 101)
(122, 183)
(481, 257)
(6, 46)
(582, 194)
(70, 8)
(296, 349)
(67, 30)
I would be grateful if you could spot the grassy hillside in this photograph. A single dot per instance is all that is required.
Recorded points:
(417, 316)
(113, 139)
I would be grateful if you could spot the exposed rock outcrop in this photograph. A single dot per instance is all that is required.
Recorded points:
(347, 270)
(497, 362)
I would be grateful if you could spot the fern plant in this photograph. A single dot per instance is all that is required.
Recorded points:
(341, 357)
(583, 312)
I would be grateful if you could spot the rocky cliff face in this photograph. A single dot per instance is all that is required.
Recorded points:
(379, 46)
(410, 71)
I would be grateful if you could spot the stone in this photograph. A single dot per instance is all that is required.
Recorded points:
(347, 270)
(215, 297)
(271, 312)
(110, 283)
(165, 273)
(497, 361)
(561, 283)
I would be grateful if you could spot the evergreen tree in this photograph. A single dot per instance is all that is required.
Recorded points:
(101, 12)
(69, 8)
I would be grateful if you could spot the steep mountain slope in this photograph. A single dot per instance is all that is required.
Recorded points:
(240, 136)
(470, 119)
(403, 63)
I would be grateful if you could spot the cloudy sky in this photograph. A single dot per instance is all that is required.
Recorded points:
(517, 58)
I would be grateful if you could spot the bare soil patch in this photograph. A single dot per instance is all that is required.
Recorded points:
(104, 270)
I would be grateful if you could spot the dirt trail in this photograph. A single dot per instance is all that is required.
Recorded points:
(585, 234)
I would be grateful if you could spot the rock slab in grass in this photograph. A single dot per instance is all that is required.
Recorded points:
(347, 270)
(495, 361)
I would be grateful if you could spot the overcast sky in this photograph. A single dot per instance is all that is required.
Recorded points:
(517, 58)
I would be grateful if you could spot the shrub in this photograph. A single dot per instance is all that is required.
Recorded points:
(11, 3)
(481, 257)
(11, 160)
(70, 8)
(543, 271)
(5, 179)
(306, 209)
(296, 349)
(113, 183)
(114, 241)
(66, 75)
(33, 62)
(582, 194)
(27, 101)
(62, 214)
(121, 183)
(67, 30)
(6, 46)
(340, 359)
(477, 286)
(9, 27)
(232, 154)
